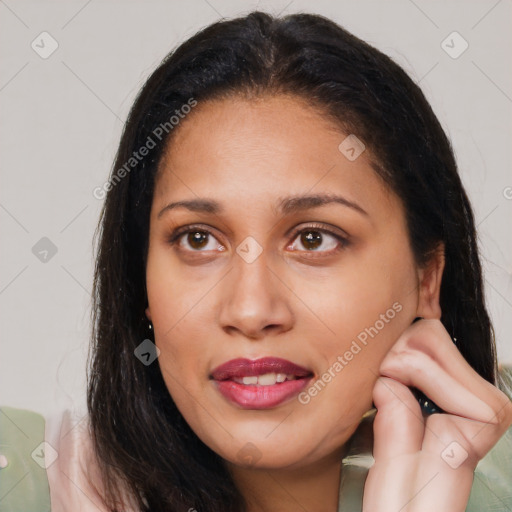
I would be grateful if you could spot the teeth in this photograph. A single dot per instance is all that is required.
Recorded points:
(267, 379)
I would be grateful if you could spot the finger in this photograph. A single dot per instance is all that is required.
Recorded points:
(415, 368)
(430, 337)
(398, 426)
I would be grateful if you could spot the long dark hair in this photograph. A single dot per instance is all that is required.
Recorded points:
(140, 438)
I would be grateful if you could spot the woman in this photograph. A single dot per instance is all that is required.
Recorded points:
(283, 206)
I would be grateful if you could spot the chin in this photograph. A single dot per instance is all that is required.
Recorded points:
(252, 457)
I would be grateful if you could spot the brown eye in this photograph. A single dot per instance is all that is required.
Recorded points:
(191, 239)
(317, 240)
(311, 239)
(197, 239)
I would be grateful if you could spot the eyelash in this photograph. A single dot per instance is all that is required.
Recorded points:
(343, 241)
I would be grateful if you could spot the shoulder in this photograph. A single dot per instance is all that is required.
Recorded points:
(23, 482)
(492, 482)
(49, 463)
(72, 470)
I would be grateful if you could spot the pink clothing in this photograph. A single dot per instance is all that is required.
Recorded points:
(74, 478)
(74, 474)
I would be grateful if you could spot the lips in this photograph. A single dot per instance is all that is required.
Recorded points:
(239, 368)
(277, 382)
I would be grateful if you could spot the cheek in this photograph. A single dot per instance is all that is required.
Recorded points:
(183, 343)
(365, 313)
(184, 364)
(353, 296)
(176, 306)
(173, 292)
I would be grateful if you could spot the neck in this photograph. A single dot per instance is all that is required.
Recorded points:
(312, 487)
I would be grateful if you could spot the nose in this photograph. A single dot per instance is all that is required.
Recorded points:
(255, 301)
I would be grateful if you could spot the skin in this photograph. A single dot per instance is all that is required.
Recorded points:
(305, 303)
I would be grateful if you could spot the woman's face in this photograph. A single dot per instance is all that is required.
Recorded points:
(328, 286)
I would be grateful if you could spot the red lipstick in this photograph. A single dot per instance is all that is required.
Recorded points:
(288, 380)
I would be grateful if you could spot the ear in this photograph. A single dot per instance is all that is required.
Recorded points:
(148, 313)
(429, 279)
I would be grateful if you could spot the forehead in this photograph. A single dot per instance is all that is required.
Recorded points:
(259, 150)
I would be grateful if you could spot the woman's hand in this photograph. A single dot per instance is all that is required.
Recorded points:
(427, 464)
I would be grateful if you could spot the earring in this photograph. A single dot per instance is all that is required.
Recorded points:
(150, 331)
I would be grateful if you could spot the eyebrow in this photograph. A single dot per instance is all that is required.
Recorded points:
(286, 205)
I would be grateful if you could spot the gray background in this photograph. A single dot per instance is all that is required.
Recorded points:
(61, 119)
